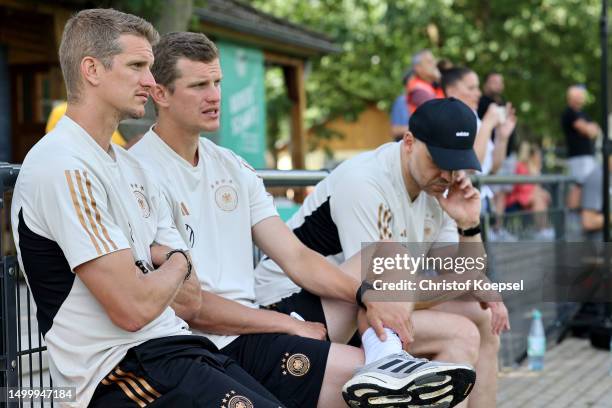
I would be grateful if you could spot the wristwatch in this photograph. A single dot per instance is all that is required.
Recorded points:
(365, 286)
(189, 265)
(469, 232)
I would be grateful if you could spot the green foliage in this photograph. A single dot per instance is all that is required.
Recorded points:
(147, 9)
(541, 47)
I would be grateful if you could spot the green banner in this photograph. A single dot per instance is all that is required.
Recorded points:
(243, 107)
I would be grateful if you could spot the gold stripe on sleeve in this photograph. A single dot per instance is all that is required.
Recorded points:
(184, 209)
(97, 212)
(88, 210)
(77, 208)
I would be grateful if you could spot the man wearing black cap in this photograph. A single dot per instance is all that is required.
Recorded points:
(397, 193)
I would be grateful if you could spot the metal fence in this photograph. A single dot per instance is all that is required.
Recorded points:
(23, 357)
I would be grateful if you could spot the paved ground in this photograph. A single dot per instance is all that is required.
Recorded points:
(575, 375)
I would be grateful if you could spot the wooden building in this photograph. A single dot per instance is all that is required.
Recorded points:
(31, 80)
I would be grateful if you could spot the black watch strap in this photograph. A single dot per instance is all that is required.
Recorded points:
(180, 251)
(470, 232)
(365, 286)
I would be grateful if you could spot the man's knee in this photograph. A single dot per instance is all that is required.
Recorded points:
(488, 339)
(467, 342)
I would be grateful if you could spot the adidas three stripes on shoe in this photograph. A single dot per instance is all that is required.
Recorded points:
(400, 380)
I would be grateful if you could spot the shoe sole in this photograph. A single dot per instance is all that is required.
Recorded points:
(439, 387)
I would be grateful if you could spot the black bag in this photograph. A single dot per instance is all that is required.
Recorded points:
(600, 336)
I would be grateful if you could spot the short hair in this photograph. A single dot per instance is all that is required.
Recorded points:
(453, 75)
(418, 57)
(95, 33)
(173, 46)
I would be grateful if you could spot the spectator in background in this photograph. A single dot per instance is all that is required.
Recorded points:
(592, 213)
(422, 85)
(399, 112)
(463, 83)
(531, 197)
(580, 134)
(492, 93)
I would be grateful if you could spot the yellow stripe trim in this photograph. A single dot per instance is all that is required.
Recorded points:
(142, 381)
(97, 212)
(77, 208)
(88, 210)
(126, 390)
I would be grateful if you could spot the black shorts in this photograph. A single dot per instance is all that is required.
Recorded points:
(291, 367)
(308, 306)
(304, 303)
(180, 371)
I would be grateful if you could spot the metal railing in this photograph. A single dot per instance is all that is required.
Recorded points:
(23, 360)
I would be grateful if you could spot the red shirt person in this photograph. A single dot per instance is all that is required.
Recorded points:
(421, 86)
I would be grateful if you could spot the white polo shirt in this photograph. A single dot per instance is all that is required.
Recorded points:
(214, 205)
(363, 200)
(73, 203)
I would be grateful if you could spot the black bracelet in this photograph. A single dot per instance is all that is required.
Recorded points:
(365, 286)
(470, 232)
(180, 251)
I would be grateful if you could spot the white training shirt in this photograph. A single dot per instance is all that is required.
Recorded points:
(73, 203)
(214, 205)
(363, 200)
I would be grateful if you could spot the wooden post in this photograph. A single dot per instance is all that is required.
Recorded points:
(294, 77)
(293, 71)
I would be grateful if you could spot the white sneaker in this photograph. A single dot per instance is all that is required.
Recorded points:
(501, 235)
(545, 234)
(400, 380)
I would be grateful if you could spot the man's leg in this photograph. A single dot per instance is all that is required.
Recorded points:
(444, 336)
(485, 389)
(292, 368)
(342, 362)
(411, 379)
(177, 372)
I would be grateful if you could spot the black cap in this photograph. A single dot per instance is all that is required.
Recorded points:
(448, 128)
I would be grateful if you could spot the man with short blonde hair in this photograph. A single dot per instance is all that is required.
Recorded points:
(96, 33)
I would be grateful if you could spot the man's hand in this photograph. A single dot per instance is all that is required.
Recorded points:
(188, 300)
(462, 202)
(158, 254)
(499, 316)
(505, 129)
(492, 117)
(312, 330)
(392, 315)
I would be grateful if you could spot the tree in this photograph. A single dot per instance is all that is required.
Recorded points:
(541, 47)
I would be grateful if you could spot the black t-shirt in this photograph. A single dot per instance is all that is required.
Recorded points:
(577, 144)
(483, 105)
